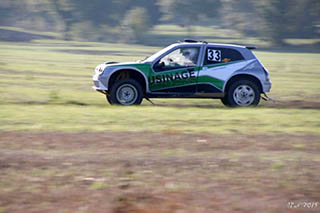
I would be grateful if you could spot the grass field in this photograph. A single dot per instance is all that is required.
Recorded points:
(46, 83)
(62, 143)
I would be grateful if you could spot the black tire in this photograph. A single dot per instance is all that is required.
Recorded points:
(243, 93)
(109, 99)
(224, 100)
(126, 92)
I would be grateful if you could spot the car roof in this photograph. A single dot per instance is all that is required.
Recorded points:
(210, 44)
(190, 43)
(245, 51)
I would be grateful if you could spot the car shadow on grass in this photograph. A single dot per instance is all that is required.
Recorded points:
(292, 104)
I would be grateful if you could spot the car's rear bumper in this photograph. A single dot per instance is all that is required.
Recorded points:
(266, 86)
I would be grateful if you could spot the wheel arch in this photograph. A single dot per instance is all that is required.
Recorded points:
(132, 73)
(238, 77)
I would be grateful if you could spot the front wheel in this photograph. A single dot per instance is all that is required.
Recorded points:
(243, 93)
(126, 92)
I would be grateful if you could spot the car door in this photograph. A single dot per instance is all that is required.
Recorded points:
(219, 64)
(176, 71)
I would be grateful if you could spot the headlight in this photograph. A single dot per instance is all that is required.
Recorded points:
(101, 71)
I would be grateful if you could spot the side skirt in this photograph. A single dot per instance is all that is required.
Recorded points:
(184, 95)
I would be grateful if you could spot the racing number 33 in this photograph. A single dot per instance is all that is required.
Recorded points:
(214, 55)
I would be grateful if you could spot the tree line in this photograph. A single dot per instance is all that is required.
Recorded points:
(128, 20)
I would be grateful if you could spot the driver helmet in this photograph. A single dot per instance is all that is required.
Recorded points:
(190, 53)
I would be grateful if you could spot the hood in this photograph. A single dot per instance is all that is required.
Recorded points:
(122, 63)
(110, 66)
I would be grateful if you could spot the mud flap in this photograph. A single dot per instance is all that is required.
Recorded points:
(267, 98)
(149, 100)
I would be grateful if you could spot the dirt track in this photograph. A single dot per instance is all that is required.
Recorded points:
(157, 172)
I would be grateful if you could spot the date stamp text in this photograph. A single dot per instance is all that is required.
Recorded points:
(305, 204)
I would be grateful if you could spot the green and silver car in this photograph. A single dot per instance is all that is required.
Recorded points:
(188, 69)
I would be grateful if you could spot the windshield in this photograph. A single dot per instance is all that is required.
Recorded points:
(156, 55)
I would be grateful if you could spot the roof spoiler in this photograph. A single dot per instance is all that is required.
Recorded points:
(251, 48)
(193, 41)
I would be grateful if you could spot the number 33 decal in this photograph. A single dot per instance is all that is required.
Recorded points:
(214, 55)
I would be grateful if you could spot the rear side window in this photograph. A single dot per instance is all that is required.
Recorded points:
(221, 55)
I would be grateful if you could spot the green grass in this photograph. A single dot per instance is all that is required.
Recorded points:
(46, 85)
(294, 75)
(302, 41)
(158, 118)
(17, 29)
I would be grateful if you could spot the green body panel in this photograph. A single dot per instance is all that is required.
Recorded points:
(207, 79)
(164, 80)
(145, 68)
(223, 64)
(214, 81)
(171, 79)
(175, 78)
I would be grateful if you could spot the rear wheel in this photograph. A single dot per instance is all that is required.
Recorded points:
(109, 99)
(126, 92)
(242, 93)
(224, 100)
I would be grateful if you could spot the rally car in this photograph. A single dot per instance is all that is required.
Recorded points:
(188, 69)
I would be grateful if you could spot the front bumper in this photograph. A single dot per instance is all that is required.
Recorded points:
(100, 87)
(98, 83)
(105, 92)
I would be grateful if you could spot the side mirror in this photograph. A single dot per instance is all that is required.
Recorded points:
(159, 66)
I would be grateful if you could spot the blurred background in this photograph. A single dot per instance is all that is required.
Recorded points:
(159, 22)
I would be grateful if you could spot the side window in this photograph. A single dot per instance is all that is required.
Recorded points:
(221, 55)
(179, 58)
